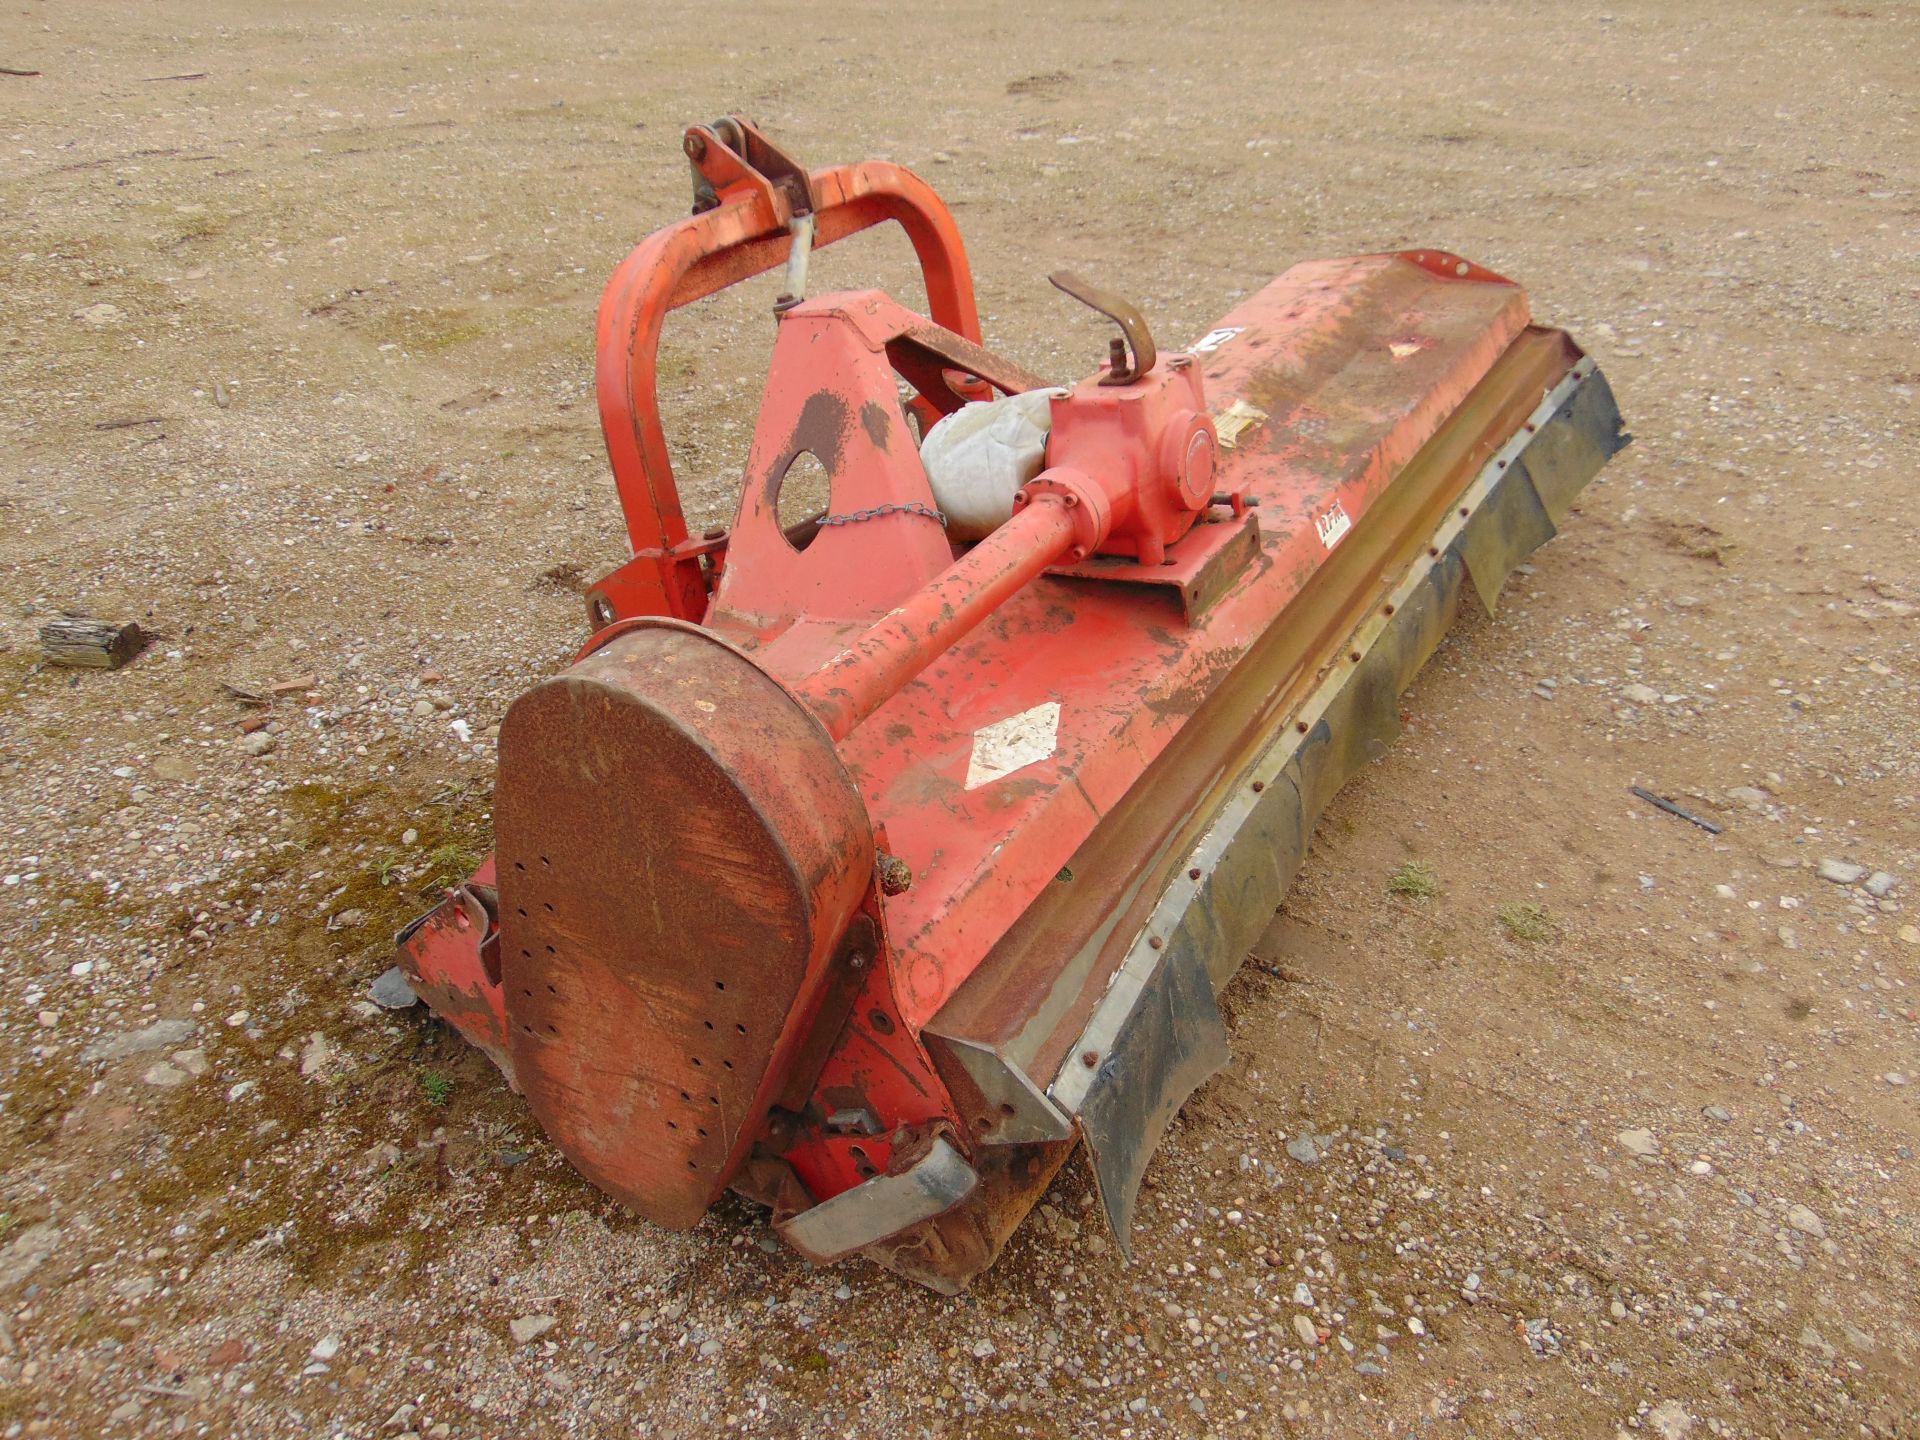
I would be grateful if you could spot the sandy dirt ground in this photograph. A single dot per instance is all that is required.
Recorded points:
(1615, 1130)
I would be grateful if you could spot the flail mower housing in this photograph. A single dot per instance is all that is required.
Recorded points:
(866, 870)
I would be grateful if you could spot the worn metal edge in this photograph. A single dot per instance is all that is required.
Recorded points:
(1288, 780)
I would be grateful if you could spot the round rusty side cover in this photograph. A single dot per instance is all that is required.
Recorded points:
(679, 849)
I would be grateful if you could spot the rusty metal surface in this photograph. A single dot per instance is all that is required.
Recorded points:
(1199, 568)
(1036, 987)
(679, 854)
(1148, 1037)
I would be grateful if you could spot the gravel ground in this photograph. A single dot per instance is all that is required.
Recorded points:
(1553, 1115)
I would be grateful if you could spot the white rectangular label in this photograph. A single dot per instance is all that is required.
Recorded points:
(1333, 525)
(1013, 743)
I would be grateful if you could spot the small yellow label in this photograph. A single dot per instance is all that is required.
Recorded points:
(1234, 421)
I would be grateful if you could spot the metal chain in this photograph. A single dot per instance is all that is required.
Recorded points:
(912, 507)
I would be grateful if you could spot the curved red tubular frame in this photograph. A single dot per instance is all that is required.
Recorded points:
(706, 253)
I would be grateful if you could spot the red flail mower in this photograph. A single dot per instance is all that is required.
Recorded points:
(868, 864)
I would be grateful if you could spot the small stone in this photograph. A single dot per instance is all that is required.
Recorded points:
(1842, 872)
(241, 1090)
(1302, 1295)
(1303, 1327)
(409, 837)
(1910, 934)
(423, 708)
(530, 1327)
(125, 1412)
(843, 1292)
(1752, 798)
(1638, 1142)
(1640, 695)
(1879, 883)
(1670, 1420)
(259, 743)
(326, 1347)
(316, 1055)
(1416, 1326)
(1806, 1222)
(1617, 1310)
(349, 920)
(1701, 1167)
(194, 1062)
(392, 991)
(1717, 1112)
(1894, 1077)
(165, 1076)
(99, 317)
(1367, 1367)
(1302, 1148)
(983, 1349)
(709, 1349)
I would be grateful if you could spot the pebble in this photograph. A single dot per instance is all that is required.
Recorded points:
(1717, 1112)
(194, 1062)
(1303, 1327)
(317, 1054)
(1879, 884)
(1670, 1420)
(1638, 1142)
(259, 743)
(1641, 695)
(1842, 872)
(1894, 1077)
(157, 1036)
(530, 1327)
(1302, 1148)
(1806, 1222)
(1416, 1326)
(983, 1349)
(165, 1076)
(1302, 1295)
(326, 1347)
(392, 990)
(709, 1349)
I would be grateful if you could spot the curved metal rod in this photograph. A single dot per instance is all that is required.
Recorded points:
(705, 253)
(1122, 312)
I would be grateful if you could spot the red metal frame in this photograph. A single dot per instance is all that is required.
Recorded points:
(896, 656)
(745, 234)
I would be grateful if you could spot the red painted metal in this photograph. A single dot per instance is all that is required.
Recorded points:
(746, 234)
(724, 802)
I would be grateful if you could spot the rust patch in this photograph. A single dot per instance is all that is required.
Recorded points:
(821, 428)
(877, 423)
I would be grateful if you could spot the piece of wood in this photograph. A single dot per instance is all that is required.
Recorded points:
(90, 644)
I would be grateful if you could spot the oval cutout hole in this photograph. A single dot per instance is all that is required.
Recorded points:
(801, 496)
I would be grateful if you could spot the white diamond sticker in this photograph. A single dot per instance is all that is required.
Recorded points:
(1013, 743)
